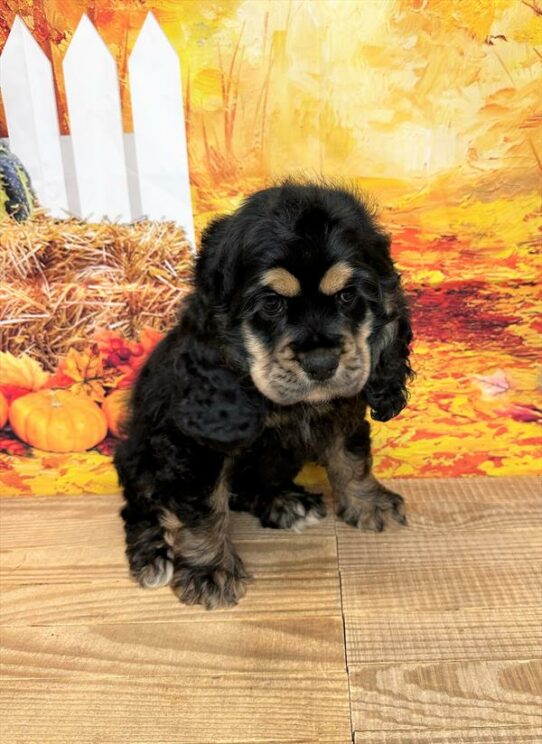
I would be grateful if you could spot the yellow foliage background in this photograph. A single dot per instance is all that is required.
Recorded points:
(434, 107)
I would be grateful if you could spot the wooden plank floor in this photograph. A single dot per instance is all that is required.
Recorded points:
(428, 634)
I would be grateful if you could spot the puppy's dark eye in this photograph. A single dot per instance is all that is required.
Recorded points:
(347, 296)
(272, 306)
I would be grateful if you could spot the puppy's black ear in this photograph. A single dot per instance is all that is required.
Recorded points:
(386, 390)
(214, 404)
(216, 262)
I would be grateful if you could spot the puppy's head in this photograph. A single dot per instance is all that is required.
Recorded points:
(302, 279)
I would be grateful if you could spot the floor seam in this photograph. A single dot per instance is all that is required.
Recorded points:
(343, 618)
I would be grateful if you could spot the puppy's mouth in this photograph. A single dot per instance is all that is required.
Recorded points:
(316, 377)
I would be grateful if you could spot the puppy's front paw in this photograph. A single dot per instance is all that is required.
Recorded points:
(213, 587)
(154, 574)
(373, 510)
(293, 511)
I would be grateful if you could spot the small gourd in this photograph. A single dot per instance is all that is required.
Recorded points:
(58, 421)
(17, 199)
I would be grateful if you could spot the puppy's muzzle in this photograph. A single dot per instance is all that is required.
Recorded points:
(319, 364)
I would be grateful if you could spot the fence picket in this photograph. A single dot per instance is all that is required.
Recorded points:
(92, 91)
(26, 80)
(159, 128)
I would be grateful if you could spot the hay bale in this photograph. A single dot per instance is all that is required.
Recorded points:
(60, 280)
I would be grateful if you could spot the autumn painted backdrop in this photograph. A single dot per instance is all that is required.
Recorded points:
(434, 107)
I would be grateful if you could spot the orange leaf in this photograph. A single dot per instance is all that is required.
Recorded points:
(92, 389)
(14, 480)
(83, 365)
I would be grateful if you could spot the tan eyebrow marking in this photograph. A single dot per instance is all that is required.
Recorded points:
(335, 278)
(282, 282)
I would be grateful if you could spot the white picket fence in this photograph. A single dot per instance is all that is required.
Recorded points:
(99, 172)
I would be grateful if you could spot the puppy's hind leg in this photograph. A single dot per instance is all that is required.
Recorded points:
(149, 555)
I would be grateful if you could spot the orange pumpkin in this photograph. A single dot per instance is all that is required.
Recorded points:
(115, 407)
(3, 410)
(57, 421)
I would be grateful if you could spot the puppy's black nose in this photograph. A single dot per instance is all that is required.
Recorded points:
(319, 364)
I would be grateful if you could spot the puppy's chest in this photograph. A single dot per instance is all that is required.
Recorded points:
(306, 427)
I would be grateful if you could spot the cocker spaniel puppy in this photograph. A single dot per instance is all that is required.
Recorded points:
(296, 325)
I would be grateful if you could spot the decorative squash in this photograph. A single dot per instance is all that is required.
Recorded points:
(115, 408)
(17, 200)
(3, 410)
(57, 421)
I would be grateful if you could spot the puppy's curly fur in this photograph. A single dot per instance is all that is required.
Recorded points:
(297, 323)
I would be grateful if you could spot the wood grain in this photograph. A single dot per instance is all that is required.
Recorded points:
(500, 735)
(304, 555)
(461, 505)
(49, 521)
(440, 623)
(117, 601)
(224, 709)
(446, 695)
(484, 502)
(55, 577)
(46, 521)
(441, 587)
(313, 645)
(411, 547)
(443, 618)
(463, 550)
(471, 634)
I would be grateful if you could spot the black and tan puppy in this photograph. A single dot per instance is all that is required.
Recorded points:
(297, 323)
